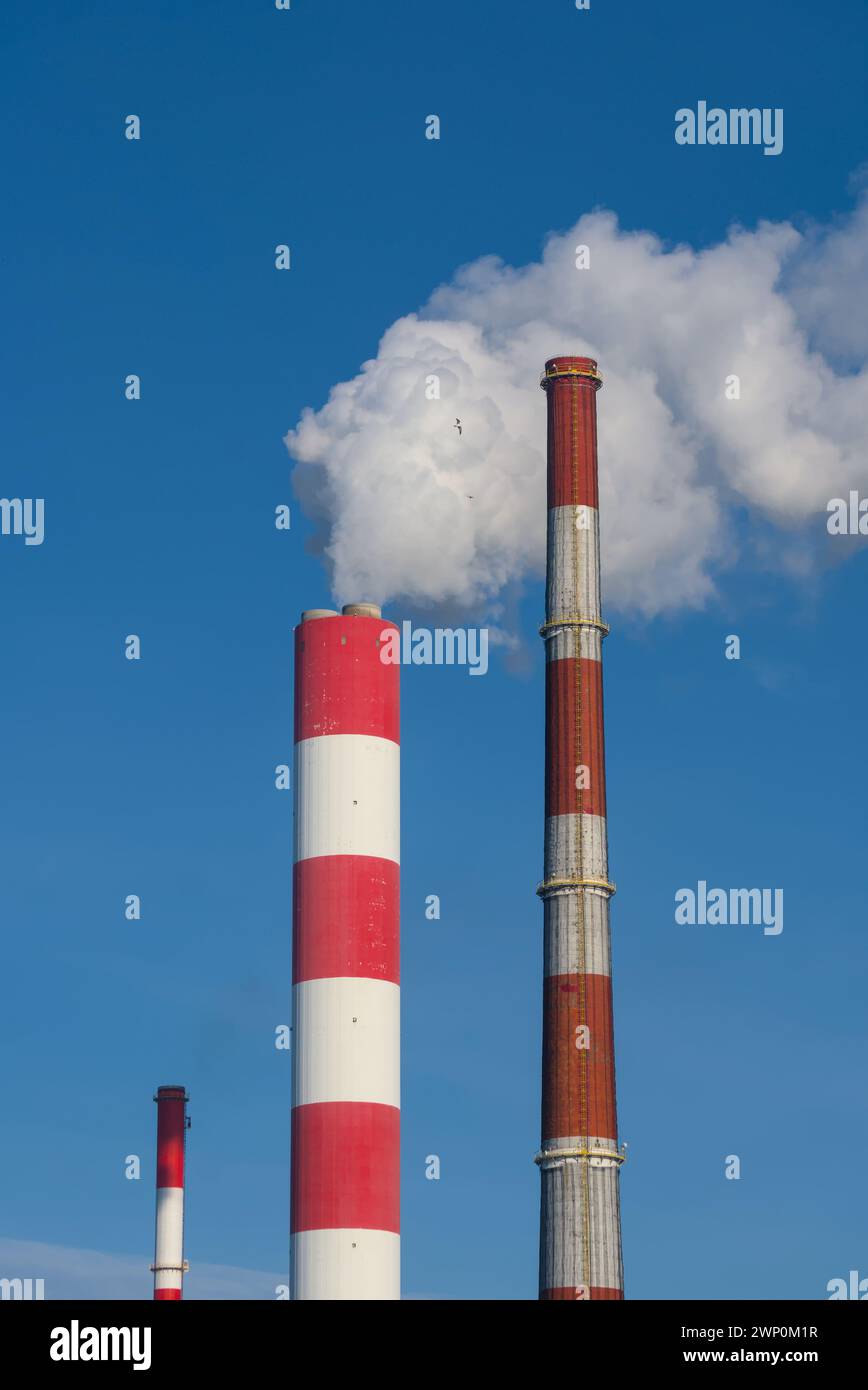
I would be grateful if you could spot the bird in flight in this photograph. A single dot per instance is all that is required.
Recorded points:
(457, 425)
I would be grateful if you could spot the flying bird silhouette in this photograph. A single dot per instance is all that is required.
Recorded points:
(457, 425)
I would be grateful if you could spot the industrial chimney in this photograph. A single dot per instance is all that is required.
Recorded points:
(579, 1158)
(169, 1265)
(345, 1201)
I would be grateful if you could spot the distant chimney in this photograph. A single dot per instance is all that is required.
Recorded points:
(169, 1266)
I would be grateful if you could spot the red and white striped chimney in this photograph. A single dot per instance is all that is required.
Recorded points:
(169, 1266)
(345, 1201)
(579, 1158)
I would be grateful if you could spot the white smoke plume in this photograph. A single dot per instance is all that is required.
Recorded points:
(416, 510)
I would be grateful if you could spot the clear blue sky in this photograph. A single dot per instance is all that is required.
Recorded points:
(156, 777)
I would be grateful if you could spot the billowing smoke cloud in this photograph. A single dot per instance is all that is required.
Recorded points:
(416, 510)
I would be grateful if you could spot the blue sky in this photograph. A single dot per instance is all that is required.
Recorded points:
(156, 777)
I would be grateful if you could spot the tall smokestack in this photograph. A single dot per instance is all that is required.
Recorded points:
(169, 1266)
(345, 1202)
(579, 1159)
